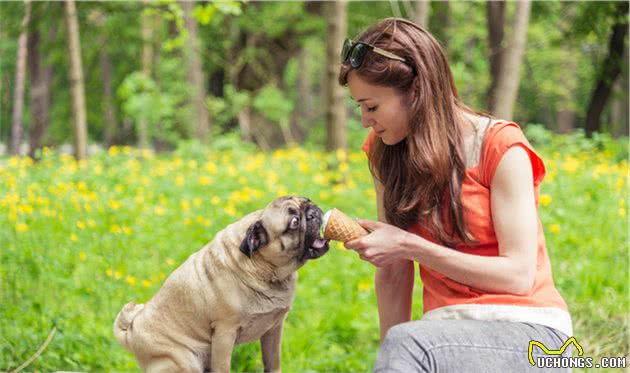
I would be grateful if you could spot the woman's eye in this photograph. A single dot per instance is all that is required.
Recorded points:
(372, 109)
(295, 222)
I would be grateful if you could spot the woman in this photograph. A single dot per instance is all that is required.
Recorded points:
(457, 192)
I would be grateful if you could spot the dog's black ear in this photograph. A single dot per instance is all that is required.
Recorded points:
(255, 238)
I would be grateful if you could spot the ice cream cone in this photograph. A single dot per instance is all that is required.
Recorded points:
(340, 227)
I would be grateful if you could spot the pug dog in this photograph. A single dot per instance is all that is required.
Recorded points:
(236, 289)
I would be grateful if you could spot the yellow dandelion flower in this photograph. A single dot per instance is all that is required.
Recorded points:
(282, 191)
(184, 205)
(622, 212)
(159, 210)
(545, 200)
(622, 202)
(91, 223)
(161, 275)
(570, 164)
(126, 230)
(21, 227)
(215, 200)
(117, 275)
(131, 280)
(554, 228)
(73, 237)
(230, 210)
(113, 204)
(115, 229)
(146, 284)
(113, 151)
(179, 180)
(343, 167)
(80, 224)
(341, 155)
(82, 256)
(109, 272)
(211, 168)
(197, 201)
(365, 285)
(204, 180)
(187, 221)
(170, 261)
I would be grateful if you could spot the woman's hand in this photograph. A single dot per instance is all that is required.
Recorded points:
(383, 246)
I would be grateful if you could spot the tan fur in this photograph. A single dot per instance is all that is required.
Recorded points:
(217, 298)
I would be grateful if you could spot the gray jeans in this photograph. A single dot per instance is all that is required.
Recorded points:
(466, 346)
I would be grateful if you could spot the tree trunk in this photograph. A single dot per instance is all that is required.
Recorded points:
(41, 80)
(20, 72)
(302, 115)
(147, 67)
(76, 82)
(336, 103)
(195, 73)
(504, 97)
(495, 16)
(440, 23)
(421, 13)
(109, 110)
(609, 71)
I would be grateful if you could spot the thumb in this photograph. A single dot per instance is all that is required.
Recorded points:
(370, 225)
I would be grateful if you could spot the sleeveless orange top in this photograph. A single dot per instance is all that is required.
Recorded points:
(444, 298)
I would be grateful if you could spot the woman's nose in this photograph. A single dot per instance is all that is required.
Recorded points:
(366, 121)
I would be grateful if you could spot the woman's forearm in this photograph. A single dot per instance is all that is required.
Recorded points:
(394, 288)
(497, 274)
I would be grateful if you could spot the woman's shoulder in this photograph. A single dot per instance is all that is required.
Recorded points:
(500, 136)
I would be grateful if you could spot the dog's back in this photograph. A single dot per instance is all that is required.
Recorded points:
(124, 322)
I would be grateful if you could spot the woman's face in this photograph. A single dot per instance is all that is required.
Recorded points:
(382, 109)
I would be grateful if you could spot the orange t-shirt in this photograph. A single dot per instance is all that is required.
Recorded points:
(441, 291)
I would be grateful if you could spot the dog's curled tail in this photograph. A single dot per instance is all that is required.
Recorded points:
(122, 324)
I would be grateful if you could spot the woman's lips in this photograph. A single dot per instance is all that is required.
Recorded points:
(379, 133)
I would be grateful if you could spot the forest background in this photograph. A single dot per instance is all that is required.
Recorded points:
(118, 119)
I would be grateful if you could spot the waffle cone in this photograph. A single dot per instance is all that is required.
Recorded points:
(340, 227)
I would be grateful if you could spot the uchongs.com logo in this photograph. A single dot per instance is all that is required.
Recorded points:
(557, 358)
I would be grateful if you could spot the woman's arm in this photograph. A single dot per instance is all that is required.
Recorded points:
(515, 222)
(393, 283)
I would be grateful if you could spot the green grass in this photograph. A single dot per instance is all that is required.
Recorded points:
(77, 241)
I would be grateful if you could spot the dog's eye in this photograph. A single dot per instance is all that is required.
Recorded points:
(295, 222)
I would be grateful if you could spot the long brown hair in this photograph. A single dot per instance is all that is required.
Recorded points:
(426, 169)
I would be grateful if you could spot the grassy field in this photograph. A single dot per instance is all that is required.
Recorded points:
(79, 240)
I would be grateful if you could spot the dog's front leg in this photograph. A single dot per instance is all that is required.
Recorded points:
(223, 339)
(270, 345)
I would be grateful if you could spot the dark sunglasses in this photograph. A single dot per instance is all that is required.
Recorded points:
(355, 52)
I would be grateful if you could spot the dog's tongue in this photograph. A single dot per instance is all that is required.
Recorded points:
(319, 243)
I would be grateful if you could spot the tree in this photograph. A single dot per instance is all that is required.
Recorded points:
(106, 73)
(20, 72)
(335, 96)
(495, 17)
(421, 12)
(76, 82)
(195, 73)
(507, 82)
(609, 70)
(41, 74)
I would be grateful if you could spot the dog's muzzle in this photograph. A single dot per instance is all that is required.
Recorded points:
(314, 244)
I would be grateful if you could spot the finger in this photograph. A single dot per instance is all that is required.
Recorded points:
(352, 244)
(370, 225)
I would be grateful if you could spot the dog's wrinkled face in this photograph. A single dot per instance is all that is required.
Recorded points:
(288, 231)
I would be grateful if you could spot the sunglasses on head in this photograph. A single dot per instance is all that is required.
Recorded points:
(355, 52)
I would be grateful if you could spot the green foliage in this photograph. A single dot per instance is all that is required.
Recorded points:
(81, 239)
(273, 104)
